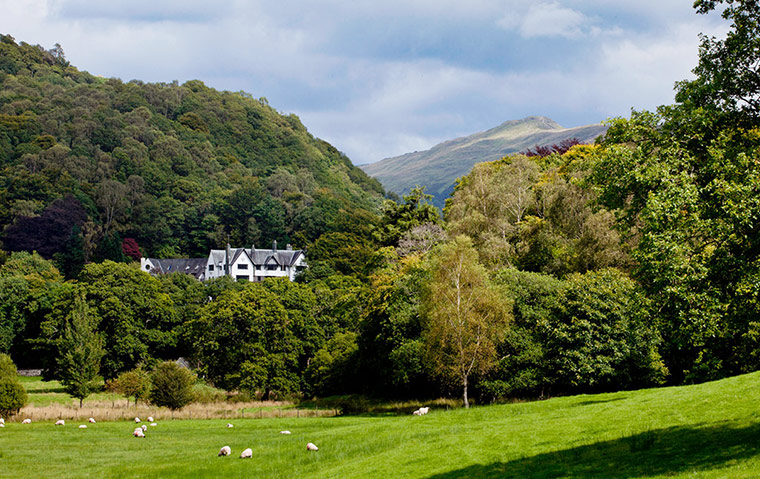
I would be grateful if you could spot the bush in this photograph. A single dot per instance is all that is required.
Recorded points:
(134, 383)
(172, 385)
(7, 368)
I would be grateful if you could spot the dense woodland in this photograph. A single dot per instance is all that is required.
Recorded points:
(630, 263)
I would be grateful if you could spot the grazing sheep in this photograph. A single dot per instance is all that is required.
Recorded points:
(2, 424)
(230, 425)
(225, 451)
(60, 422)
(247, 454)
(150, 418)
(311, 447)
(91, 420)
(424, 410)
(154, 424)
(144, 427)
(137, 419)
(2, 421)
(82, 426)
(284, 432)
(26, 421)
(138, 432)
(416, 412)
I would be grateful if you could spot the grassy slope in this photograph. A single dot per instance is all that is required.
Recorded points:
(438, 167)
(708, 430)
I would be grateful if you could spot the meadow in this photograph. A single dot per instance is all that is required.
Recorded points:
(710, 430)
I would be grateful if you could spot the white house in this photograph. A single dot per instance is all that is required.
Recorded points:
(239, 263)
(255, 264)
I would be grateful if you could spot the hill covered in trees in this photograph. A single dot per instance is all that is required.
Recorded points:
(439, 167)
(87, 161)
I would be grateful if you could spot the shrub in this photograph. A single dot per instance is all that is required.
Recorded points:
(172, 385)
(134, 383)
(7, 368)
(12, 397)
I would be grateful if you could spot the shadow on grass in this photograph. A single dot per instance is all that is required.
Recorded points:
(601, 401)
(651, 453)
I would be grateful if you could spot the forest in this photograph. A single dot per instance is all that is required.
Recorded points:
(630, 263)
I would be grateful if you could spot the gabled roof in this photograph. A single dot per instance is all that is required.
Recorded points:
(193, 266)
(259, 257)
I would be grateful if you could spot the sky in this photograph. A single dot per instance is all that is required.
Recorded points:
(382, 78)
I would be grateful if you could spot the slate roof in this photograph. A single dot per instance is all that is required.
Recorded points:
(193, 266)
(259, 256)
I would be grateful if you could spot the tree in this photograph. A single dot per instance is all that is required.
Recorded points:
(135, 383)
(80, 351)
(12, 393)
(397, 219)
(172, 385)
(465, 315)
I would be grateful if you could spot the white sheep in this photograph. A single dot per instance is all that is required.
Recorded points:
(230, 425)
(416, 412)
(154, 424)
(424, 410)
(138, 432)
(247, 454)
(26, 421)
(60, 422)
(311, 447)
(91, 420)
(225, 451)
(144, 427)
(150, 418)
(284, 432)
(82, 426)
(137, 419)
(2, 425)
(2, 421)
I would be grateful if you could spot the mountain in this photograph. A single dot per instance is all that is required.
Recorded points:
(87, 161)
(439, 167)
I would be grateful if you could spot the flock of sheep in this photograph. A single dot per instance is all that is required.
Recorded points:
(224, 451)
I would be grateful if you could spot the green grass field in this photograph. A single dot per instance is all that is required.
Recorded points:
(704, 431)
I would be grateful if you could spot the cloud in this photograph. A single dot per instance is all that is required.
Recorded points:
(547, 20)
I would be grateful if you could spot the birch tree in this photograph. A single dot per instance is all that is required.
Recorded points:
(465, 316)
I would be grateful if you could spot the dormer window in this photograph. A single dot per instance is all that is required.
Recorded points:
(242, 266)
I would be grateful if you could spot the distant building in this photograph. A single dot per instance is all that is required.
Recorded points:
(255, 264)
(239, 263)
(193, 266)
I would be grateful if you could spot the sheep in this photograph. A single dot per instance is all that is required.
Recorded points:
(424, 410)
(91, 420)
(225, 451)
(26, 421)
(416, 412)
(284, 432)
(82, 426)
(2, 421)
(137, 419)
(154, 424)
(138, 432)
(247, 454)
(60, 422)
(311, 447)
(150, 418)
(144, 427)
(2, 424)
(230, 425)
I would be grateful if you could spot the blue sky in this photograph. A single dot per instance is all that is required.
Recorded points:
(378, 79)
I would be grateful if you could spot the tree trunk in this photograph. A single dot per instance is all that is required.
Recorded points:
(466, 402)
(80, 402)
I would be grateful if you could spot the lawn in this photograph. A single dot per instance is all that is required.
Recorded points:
(704, 431)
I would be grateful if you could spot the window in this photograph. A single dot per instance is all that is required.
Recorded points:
(241, 276)
(271, 267)
(211, 267)
(242, 266)
(258, 267)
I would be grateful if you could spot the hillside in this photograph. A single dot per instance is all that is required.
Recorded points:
(86, 161)
(709, 430)
(439, 167)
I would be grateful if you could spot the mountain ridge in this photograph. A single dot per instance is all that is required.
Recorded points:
(438, 167)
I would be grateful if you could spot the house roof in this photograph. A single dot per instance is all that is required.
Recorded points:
(193, 266)
(260, 257)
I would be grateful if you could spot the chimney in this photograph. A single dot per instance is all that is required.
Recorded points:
(289, 247)
(274, 246)
(227, 261)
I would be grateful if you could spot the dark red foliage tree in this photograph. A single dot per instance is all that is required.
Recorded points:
(546, 150)
(131, 249)
(48, 233)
